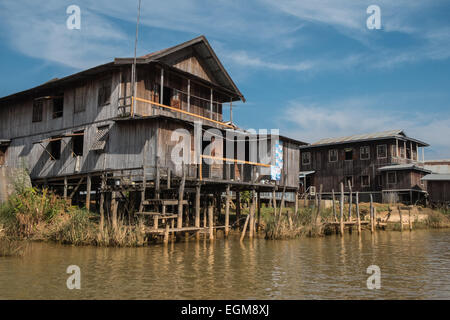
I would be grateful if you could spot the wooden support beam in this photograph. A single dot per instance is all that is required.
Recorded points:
(245, 228)
(334, 206)
(161, 91)
(401, 218)
(66, 186)
(189, 95)
(102, 203)
(258, 203)
(211, 221)
(227, 211)
(238, 208)
(76, 188)
(169, 177)
(252, 216)
(409, 218)
(114, 207)
(350, 200)
(358, 217)
(371, 214)
(319, 207)
(342, 210)
(197, 205)
(88, 192)
(180, 198)
(157, 179)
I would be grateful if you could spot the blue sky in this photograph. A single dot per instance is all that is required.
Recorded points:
(310, 68)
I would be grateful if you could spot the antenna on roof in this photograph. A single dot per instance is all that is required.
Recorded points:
(133, 68)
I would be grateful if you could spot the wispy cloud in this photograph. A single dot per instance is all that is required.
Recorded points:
(356, 115)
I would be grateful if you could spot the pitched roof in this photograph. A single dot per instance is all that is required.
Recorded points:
(398, 134)
(199, 44)
(203, 49)
(436, 177)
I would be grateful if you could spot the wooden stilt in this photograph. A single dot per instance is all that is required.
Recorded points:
(245, 227)
(318, 215)
(227, 211)
(274, 201)
(252, 216)
(238, 208)
(296, 202)
(211, 222)
(401, 218)
(180, 199)
(350, 201)
(66, 186)
(258, 205)
(114, 207)
(342, 210)
(88, 192)
(197, 209)
(102, 204)
(169, 178)
(358, 217)
(371, 214)
(334, 206)
(166, 234)
(410, 221)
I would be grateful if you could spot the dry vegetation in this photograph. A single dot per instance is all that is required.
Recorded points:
(30, 214)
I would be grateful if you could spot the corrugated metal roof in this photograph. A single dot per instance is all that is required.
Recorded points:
(366, 137)
(408, 166)
(436, 177)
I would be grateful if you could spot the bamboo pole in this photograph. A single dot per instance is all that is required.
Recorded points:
(342, 210)
(66, 187)
(114, 208)
(238, 208)
(88, 192)
(401, 218)
(245, 227)
(258, 204)
(371, 213)
(102, 203)
(252, 216)
(197, 209)
(227, 211)
(410, 221)
(180, 199)
(334, 206)
(296, 203)
(211, 221)
(350, 201)
(319, 207)
(358, 217)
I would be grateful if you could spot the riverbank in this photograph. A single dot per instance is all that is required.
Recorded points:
(31, 214)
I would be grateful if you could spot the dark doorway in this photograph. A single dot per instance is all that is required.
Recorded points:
(2, 155)
(167, 94)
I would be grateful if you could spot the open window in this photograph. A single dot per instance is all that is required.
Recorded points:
(58, 107)
(38, 109)
(333, 155)
(365, 153)
(54, 148)
(78, 143)
(348, 154)
(2, 154)
(167, 96)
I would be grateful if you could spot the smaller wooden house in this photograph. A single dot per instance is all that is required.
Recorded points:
(438, 187)
(385, 164)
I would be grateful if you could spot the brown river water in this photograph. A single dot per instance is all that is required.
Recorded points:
(414, 265)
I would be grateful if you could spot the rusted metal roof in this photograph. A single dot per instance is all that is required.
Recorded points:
(390, 134)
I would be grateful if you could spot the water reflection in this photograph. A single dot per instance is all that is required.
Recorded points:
(414, 265)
